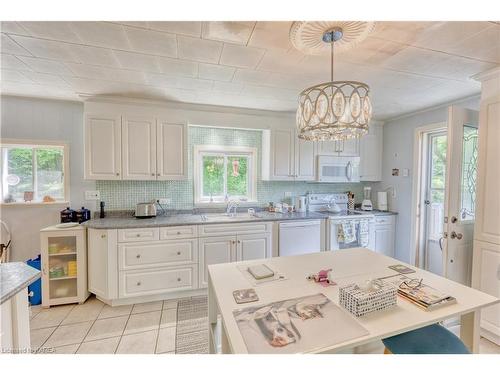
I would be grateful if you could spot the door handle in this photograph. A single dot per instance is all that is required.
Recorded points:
(427, 202)
(349, 171)
(441, 240)
(456, 235)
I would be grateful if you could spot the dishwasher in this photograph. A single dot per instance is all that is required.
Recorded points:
(299, 237)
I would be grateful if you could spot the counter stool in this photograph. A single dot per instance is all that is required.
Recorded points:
(434, 339)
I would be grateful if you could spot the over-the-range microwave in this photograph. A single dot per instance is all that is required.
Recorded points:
(338, 169)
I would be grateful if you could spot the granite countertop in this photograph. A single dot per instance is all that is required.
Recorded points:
(382, 213)
(14, 277)
(196, 219)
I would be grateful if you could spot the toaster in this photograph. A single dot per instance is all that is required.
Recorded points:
(145, 210)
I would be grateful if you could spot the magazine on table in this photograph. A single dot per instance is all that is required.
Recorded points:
(422, 295)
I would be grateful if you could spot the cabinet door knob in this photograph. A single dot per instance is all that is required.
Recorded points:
(178, 233)
(152, 174)
(138, 256)
(178, 279)
(239, 241)
(137, 235)
(103, 236)
(158, 174)
(178, 253)
(117, 174)
(138, 283)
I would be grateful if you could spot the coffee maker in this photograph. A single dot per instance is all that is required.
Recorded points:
(366, 205)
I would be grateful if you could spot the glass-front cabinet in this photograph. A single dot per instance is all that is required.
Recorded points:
(64, 265)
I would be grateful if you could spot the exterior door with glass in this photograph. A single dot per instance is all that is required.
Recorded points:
(459, 205)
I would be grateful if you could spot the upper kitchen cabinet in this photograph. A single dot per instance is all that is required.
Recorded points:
(133, 143)
(103, 147)
(138, 148)
(171, 151)
(349, 147)
(370, 164)
(287, 158)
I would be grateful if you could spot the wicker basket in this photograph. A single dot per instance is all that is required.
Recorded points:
(360, 302)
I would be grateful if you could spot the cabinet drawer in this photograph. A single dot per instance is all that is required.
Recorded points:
(157, 281)
(231, 229)
(384, 219)
(156, 254)
(172, 233)
(138, 234)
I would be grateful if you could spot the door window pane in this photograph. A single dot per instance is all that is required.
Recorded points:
(213, 176)
(438, 146)
(468, 173)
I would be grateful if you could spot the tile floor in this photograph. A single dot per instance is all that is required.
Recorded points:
(148, 328)
(94, 327)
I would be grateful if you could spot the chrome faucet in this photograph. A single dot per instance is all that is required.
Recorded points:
(231, 206)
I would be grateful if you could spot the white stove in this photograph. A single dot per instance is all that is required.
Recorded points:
(341, 220)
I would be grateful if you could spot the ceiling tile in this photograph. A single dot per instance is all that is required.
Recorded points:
(444, 35)
(371, 51)
(281, 61)
(137, 61)
(228, 31)
(194, 84)
(12, 27)
(269, 92)
(241, 56)
(198, 49)
(483, 46)
(401, 32)
(271, 35)
(228, 87)
(14, 76)
(52, 30)
(93, 55)
(161, 80)
(412, 59)
(12, 62)
(215, 72)
(152, 42)
(46, 79)
(46, 66)
(101, 34)
(179, 27)
(251, 76)
(176, 66)
(102, 73)
(45, 48)
(7, 45)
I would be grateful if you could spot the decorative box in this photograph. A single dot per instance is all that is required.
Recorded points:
(361, 302)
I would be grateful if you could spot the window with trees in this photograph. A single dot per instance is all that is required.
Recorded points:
(223, 173)
(33, 172)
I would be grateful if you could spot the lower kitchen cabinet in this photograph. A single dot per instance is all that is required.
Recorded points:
(385, 232)
(214, 250)
(486, 277)
(225, 249)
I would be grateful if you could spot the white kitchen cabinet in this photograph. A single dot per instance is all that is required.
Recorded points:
(285, 157)
(214, 250)
(385, 232)
(486, 277)
(349, 147)
(171, 151)
(138, 148)
(103, 153)
(253, 246)
(370, 152)
(64, 265)
(125, 144)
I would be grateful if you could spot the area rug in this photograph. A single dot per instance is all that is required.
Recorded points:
(192, 326)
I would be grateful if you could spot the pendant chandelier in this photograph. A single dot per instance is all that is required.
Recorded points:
(334, 110)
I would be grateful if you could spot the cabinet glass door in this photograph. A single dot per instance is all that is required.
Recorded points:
(62, 267)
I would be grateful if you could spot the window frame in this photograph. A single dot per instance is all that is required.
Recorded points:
(37, 144)
(225, 151)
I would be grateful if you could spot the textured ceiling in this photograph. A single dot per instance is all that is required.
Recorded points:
(409, 65)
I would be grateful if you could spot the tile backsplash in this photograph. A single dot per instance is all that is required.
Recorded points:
(125, 194)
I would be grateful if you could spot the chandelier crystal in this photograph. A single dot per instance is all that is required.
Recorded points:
(335, 110)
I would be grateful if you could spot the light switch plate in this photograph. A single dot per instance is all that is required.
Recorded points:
(406, 172)
(92, 195)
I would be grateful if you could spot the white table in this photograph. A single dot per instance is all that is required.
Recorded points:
(350, 265)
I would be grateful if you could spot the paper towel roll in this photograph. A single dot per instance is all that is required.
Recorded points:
(382, 200)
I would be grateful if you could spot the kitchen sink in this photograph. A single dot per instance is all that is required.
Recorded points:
(229, 217)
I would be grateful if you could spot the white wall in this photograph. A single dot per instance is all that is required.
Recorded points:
(398, 153)
(39, 119)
